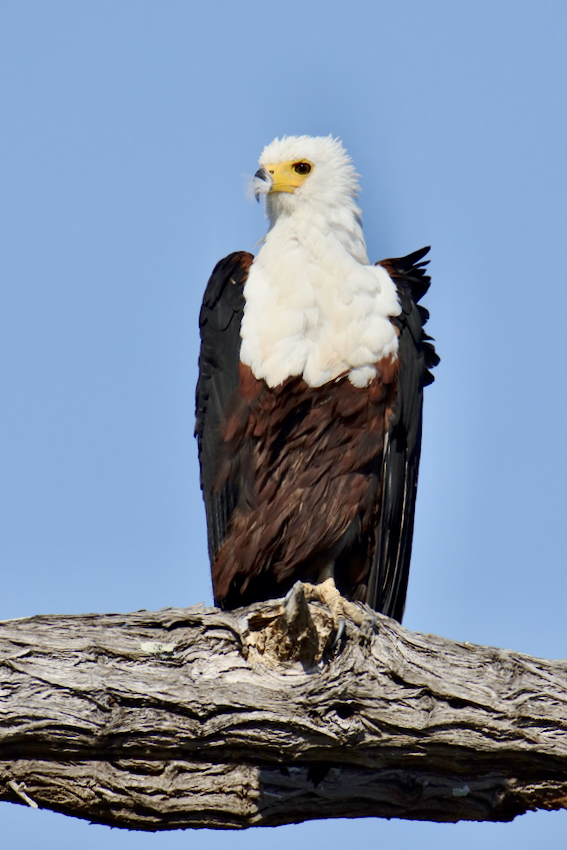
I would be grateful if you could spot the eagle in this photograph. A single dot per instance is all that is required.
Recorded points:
(310, 390)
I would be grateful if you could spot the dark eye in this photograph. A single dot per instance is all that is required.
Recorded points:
(302, 168)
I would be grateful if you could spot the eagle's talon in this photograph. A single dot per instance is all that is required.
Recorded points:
(368, 628)
(337, 638)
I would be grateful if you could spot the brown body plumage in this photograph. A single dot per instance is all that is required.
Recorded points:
(308, 463)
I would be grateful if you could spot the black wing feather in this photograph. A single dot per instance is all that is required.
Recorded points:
(219, 321)
(388, 578)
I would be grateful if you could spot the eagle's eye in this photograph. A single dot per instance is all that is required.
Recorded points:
(302, 168)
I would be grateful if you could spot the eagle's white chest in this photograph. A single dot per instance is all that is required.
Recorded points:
(314, 310)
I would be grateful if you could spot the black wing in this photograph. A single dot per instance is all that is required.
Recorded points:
(219, 321)
(390, 567)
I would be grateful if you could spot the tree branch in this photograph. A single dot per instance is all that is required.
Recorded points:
(202, 718)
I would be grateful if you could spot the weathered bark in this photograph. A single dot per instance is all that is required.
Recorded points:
(202, 718)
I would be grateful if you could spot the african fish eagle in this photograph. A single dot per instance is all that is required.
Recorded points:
(309, 399)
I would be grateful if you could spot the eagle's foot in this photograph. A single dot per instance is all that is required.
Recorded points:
(326, 592)
(340, 608)
(303, 633)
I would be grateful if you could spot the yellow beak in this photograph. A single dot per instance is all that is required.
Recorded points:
(285, 179)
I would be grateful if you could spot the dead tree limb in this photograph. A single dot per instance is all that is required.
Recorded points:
(202, 718)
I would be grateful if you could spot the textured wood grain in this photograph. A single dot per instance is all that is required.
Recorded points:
(202, 718)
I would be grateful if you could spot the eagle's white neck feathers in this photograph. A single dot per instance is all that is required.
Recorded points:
(314, 307)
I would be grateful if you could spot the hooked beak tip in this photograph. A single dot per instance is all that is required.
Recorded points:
(263, 178)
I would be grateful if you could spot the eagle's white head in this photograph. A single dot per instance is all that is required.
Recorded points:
(310, 177)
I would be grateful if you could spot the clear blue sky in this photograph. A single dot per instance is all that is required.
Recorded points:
(128, 127)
